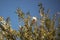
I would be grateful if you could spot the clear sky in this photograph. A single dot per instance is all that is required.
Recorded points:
(8, 8)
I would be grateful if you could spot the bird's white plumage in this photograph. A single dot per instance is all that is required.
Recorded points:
(34, 18)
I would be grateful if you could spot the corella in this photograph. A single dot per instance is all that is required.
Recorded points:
(34, 19)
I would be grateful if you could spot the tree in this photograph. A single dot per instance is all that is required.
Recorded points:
(30, 30)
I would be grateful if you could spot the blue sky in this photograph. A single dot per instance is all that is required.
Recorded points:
(8, 8)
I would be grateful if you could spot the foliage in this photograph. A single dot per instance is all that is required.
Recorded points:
(31, 30)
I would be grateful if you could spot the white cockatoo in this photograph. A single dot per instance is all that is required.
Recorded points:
(34, 19)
